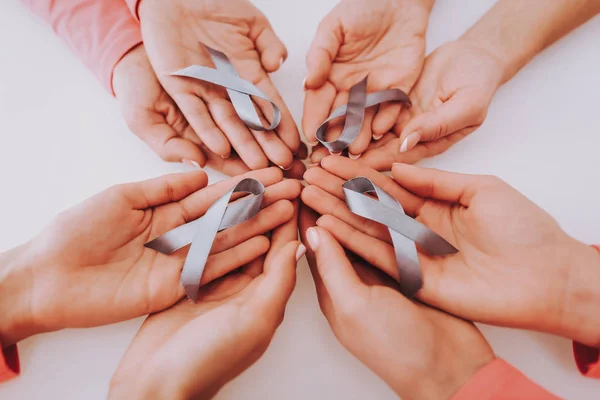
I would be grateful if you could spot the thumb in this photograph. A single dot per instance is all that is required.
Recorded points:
(272, 51)
(335, 270)
(270, 298)
(463, 110)
(165, 142)
(323, 51)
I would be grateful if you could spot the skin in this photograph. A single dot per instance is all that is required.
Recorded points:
(191, 350)
(386, 40)
(504, 241)
(90, 267)
(437, 353)
(175, 33)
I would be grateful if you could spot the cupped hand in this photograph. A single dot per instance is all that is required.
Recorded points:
(384, 39)
(515, 266)
(449, 101)
(192, 350)
(90, 267)
(175, 35)
(420, 352)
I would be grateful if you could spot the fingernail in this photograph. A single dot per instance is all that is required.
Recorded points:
(281, 60)
(304, 84)
(226, 157)
(410, 142)
(354, 156)
(377, 137)
(335, 153)
(300, 252)
(313, 238)
(311, 165)
(286, 169)
(312, 144)
(190, 162)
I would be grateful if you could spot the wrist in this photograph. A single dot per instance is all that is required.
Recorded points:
(17, 322)
(579, 317)
(129, 61)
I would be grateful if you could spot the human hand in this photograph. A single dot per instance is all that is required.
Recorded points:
(420, 352)
(192, 350)
(385, 39)
(449, 101)
(90, 267)
(175, 35)
(515, 266)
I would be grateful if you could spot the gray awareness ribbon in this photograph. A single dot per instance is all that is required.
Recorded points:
(239, 90)
(358, 102)
(404, 230)
(202, 231)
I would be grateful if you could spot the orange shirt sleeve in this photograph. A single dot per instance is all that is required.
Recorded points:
(500, 381)
(99, 32)
(9, 362)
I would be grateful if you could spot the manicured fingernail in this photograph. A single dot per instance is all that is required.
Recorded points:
(410, 142)
(354, 156)
(304, 84)
(312, 144)
(226, 157)
(335, 153)
(286, 169)
(377, 137)
(311, 165)
(313, 238)
(281, 60)
(190, 162)
(300, 252)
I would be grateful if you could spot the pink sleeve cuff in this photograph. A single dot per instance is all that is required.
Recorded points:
(133, 6)
(126, 40)
(500, 381)
(9, 363)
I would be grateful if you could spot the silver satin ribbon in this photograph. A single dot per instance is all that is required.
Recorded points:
(404, 230)
(239, 90)
(358, 102)
(201, 232)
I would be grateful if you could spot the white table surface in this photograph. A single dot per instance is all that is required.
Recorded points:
(63, 140)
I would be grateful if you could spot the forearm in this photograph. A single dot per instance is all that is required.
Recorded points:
(15, 288)
(99, 32)
(516, 31)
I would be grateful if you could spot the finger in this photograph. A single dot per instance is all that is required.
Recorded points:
(335, 127)
(231, 166)
(326, 181)
(385, 119)
(274, 147)
(220, 264)
(459, 112)
(335, 270)
(195, 205)
(317, 155)
(165, 142)
(348, 169)
(272, 51)
(361, 143)
(287, 129)
(267, 219)
(323, 51)
(162, 190)
(239, 135)
(285, 233)
(302, 152)
(269, 299)
(374, 251)
(317, 105)
(195, 111)
(325, 203)
(296, 171)
(440, 185)
(288, 189)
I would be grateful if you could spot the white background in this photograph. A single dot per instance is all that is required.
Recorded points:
(63, 139)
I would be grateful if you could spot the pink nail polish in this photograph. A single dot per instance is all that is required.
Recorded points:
(300, 252)
(410, 142)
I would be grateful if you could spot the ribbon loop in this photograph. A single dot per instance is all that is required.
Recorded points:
(201, 232)
(239, 90)
(358, 102)
(404, 230)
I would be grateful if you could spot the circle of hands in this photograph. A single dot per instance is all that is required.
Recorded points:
(100, 272)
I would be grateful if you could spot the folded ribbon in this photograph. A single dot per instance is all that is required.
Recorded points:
(239, 90)
(201, 232)
(404, 230)
(358, 102)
